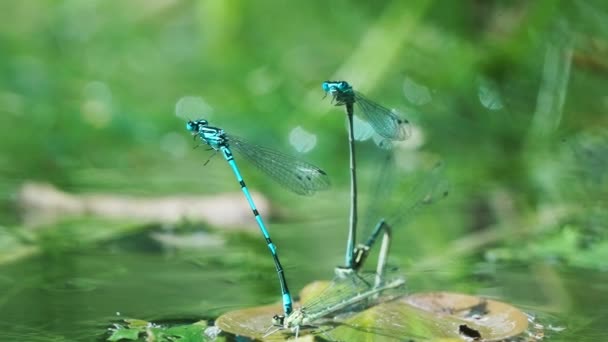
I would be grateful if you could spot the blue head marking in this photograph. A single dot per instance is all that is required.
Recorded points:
(193, 126)
(333, 86)
(326, 86)
(190, 126)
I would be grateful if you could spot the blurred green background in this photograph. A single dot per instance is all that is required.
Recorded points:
(511, 95)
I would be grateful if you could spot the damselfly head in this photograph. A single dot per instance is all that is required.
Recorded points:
(193, 126)
(278, 320)
(190, 126)
(333, 86)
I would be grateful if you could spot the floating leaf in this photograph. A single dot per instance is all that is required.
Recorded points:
(394, 321)
(494, 320)
(253, 322)
(257, 322)
(436, 316)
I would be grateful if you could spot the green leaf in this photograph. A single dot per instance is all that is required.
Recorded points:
(435, 316)
(181, 333)
(432, 316)
(137, 323)
(124, 334)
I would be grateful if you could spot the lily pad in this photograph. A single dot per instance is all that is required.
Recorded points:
(256, 322)
(434, 316)
(494, 320)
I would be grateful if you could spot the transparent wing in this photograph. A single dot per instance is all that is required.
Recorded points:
(339, 290)
(431, 188)
(298, 176)
(343, 289)
(382, 188)
(398, 201)
(384, 121)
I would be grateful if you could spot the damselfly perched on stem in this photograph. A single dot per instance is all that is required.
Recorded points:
(384, 121)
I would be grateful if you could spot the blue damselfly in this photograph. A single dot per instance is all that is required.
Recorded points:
(385, 122)
(298, 176)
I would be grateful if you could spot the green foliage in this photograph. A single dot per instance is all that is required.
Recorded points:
(124, 334)
(510, 94)
(139, 330)
(566, 246)
(426, 316)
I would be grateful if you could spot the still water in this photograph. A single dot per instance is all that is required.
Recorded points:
(75, 296)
